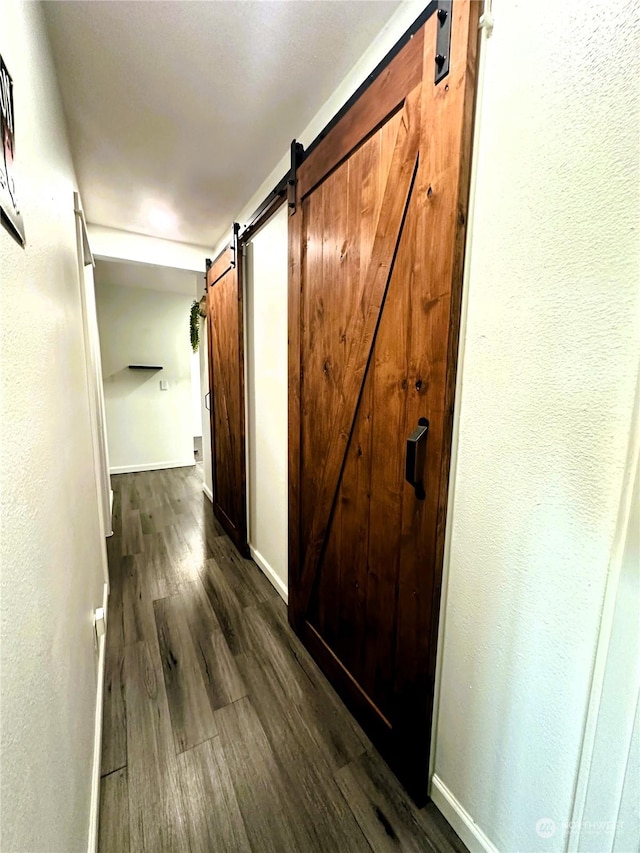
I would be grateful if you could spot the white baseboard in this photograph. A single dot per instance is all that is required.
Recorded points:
(468, 830)
(272, 576)
(152, 466)
(207, 492)
(94, 812)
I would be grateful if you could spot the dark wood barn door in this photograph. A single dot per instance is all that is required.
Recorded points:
(376, 257)
(226, 384)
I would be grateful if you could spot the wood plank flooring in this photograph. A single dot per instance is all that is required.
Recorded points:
(220, 732)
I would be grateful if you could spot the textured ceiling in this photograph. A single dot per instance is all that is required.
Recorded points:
(177, 111)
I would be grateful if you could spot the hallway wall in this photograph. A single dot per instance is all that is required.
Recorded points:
(544, 414)
(147, 428)
(51, 549)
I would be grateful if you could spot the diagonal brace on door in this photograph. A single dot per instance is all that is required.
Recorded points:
(397, 195)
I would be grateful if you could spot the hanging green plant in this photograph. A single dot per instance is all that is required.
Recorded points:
(194, 325)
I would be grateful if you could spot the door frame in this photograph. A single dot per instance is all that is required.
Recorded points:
(371, 105)
(271, 205)
(93, 363)
(232, 256)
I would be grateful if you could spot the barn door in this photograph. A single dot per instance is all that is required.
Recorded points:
(376, 242)
(226, 384)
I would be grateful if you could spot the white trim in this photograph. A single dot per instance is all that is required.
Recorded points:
(152, 466)
(86, 248)
(626, 517)
(94, 811)
(93, 377)
(110, 533)
(455, 433)
(247, 248)
(207, 491)
(271, 574)
(468, 830)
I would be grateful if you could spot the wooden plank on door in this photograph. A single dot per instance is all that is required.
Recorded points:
(362, 329)
(226, 386)
(366, 115)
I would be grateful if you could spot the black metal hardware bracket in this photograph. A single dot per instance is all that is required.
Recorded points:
(442, 49)
(443, 39)
(262, 213)
(416, 456)
(297, 155)
(233, 246)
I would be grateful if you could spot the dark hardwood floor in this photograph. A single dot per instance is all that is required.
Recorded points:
(220, 733)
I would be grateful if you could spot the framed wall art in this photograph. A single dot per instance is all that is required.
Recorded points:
(9, 210)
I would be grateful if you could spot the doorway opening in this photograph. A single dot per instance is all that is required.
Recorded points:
(151, 376)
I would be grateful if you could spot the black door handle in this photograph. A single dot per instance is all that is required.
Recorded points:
(207, 402)
(415, 459)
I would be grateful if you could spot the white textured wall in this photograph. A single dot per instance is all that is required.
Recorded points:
(147, 428)
(50, 546)
(547, 387)
(266, 365)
